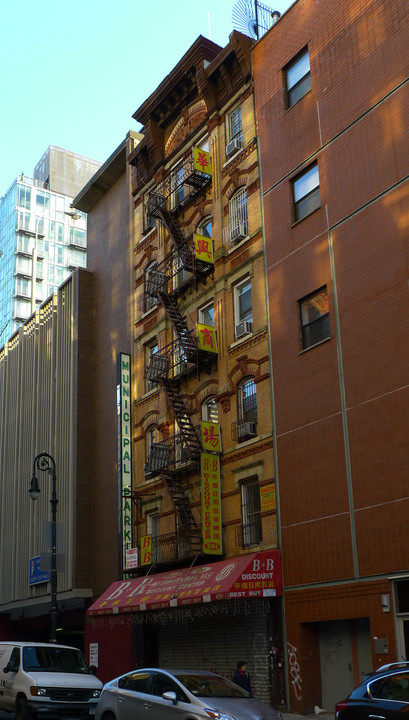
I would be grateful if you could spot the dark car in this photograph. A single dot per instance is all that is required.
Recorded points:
(157, 694)
(383, 695)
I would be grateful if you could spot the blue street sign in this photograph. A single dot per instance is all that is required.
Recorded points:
(36, 574)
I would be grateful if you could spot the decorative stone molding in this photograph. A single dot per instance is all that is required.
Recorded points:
(246, 367)
(233, 164)
(151, 418)
(247, 451)
(210, 388)
(224, 399)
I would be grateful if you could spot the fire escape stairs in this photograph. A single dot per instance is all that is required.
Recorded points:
(184, 511)
(191, 352)
(187, 429)
(168, 220)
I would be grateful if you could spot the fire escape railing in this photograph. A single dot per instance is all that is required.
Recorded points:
(178, 189)
(175, 546)
(169, 455)
(174, 359)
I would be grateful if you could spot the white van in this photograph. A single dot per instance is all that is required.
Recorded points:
(40, 680)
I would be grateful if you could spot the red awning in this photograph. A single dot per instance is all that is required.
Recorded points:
(246, 576)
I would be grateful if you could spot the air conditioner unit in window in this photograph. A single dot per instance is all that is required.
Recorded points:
(239, 232)
(246, 430)
(245, 327)
(233, 147)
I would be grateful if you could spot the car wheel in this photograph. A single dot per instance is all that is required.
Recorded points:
(22, 710)
(107, 716)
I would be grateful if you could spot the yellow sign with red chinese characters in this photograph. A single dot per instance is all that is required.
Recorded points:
(203, 248)
(146, 550)
(211, 504)
(202, 161)
(211, 438)
(207, 337)
(267, 497)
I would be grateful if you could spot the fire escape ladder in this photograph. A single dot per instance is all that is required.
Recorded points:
(184, 511)
(188, 431)
(168, 220)
(188, 341)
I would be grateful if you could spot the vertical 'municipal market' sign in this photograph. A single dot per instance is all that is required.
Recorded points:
(123, 366)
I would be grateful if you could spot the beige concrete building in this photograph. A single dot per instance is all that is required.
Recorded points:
(45, 381)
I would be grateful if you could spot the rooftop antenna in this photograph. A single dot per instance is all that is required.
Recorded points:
(252, 18)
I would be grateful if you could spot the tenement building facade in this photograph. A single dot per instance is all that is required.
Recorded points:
(332, 101)
(198, 558)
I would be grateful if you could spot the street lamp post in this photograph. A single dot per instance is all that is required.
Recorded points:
(46, 463)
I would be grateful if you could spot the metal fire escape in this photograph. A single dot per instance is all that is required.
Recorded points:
(180, 268)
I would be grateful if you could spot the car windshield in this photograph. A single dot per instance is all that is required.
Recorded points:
(211, 686)
(56, 659)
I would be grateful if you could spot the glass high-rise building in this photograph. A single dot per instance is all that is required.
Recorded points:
(42, 240)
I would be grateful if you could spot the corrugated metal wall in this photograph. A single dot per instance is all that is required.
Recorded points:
(37, 406)
(217, 643)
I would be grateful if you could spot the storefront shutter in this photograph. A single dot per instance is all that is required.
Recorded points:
(216, 643)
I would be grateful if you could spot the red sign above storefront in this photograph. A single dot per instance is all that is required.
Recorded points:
(246, 576)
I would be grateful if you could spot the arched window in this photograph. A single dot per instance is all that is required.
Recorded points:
(238, 218)
(205, 227)
(247, 410)
(210, 410)
(150, 438)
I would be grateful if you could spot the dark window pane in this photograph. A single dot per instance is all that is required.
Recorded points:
(317, 331)
(314, 317)
(299, 90)
(402, 596)
(307, 205)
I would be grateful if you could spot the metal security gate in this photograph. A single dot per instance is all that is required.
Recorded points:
(216, 642)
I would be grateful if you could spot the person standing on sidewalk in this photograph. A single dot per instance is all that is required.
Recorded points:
(241, 677)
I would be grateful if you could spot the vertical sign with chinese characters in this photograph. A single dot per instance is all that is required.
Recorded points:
(123, 366)
(202, 161)
(211, 438)
(207, 337)
(203, 248)
(211, 504)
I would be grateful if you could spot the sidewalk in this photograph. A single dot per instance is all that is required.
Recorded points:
(294, 716)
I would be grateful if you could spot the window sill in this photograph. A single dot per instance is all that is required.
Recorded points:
(310, 347)
(148, 312)
(145, 235)
(147, 394)
(241, 340)
(245, 443)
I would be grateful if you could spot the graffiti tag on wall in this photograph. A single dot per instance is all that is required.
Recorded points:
(296, 679)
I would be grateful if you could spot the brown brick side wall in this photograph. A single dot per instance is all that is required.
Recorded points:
(108, 256)
(340, 407)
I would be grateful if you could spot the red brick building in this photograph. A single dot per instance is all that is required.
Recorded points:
(332, 102)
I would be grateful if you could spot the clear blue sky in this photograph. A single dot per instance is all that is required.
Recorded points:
(73, 73)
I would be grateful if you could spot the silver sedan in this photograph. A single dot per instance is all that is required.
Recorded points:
(158, 694)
